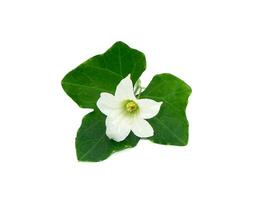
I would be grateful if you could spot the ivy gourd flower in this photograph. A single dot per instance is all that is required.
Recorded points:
(126, 113)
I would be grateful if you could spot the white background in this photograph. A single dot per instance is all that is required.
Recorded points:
(217, 47)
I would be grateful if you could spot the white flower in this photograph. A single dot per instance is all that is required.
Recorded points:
(126, 113)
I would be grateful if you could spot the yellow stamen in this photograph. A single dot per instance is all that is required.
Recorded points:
(131, 106)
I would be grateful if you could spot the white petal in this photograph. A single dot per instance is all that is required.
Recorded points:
(125, 90)
(148, 108)
(108, 104)
(142, 128)
(117, 128)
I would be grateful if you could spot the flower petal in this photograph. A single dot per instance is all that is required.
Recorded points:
(142, 128)
(125, 90)
(148, 108)
(117, 128)
(108, 104)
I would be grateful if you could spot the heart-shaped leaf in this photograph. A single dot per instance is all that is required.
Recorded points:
(102, 73)
(92, 144)
(170, 125)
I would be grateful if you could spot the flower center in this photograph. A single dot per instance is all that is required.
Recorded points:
(131, 106)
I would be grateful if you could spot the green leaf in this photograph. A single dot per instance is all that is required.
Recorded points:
(170, 125)
(92, 144)
(102, 73)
